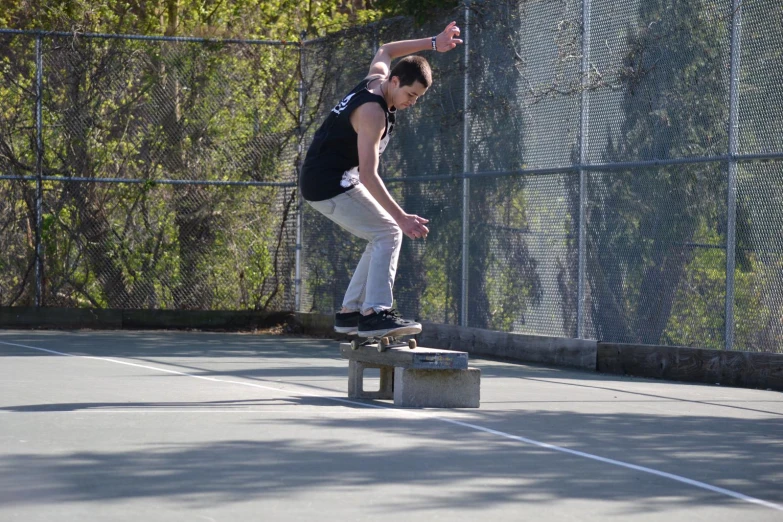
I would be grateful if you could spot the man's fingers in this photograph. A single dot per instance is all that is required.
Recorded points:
(420, 232)
(415, 228)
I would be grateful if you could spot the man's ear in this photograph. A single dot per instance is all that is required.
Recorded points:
(395, 81)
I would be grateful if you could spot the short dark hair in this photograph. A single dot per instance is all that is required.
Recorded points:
(412, 69)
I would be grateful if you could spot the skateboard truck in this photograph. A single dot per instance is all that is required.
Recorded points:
(384, 343)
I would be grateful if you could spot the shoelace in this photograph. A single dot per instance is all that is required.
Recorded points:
(392, 313)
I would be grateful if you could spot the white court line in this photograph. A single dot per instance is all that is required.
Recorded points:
(147, 410)
(476, 427)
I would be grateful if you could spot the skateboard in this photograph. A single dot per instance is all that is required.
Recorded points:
(385, 342)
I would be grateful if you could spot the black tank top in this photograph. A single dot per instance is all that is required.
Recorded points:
(331, 165)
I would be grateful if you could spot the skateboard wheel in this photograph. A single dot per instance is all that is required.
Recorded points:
(383, 344)
(412, 344)
(355, 344)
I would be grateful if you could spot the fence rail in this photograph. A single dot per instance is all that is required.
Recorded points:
(597, 168)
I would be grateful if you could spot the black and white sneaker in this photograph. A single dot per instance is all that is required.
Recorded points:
(387, 322)
(347, 323)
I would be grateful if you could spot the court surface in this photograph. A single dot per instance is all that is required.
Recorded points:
(161, 426)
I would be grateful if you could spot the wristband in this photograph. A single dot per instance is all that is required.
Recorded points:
(434, 45)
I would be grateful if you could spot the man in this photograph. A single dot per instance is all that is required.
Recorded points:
(340, 179)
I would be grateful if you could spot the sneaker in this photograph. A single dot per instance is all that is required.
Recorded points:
(347, 323)
(386, 322)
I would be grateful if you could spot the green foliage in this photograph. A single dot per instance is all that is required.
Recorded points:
(420, 10)
(268, 19)
(146, 111)
(697, 315)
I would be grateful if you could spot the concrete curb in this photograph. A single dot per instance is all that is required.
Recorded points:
(570, 353)
(113, 319)
(679, 363)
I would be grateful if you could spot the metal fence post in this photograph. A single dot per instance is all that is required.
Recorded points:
(38, 170)
(465, 169)
(299, 160)
(583, 129)
(731, 233)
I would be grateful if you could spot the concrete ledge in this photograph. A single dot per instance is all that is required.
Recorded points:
(318, 325)
(437, 388)
(677, 363)
(204, 319)
(572, 353)
(403, 357)
(422, 377)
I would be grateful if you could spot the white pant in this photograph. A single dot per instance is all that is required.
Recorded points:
(360, 214)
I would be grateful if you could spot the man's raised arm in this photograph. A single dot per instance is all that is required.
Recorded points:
(445, 41)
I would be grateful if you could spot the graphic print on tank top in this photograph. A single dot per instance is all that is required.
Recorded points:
(340, 107)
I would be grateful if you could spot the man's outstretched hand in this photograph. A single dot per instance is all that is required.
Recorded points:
(447, 40)
(413, 226)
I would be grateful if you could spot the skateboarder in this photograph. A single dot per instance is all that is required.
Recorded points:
(340, 180)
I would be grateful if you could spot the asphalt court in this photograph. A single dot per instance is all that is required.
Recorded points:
(214, 426)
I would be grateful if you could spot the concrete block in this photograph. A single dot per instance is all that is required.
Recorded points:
(356, 381)
(437, 388)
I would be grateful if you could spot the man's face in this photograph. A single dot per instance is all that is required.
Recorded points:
(406, 96)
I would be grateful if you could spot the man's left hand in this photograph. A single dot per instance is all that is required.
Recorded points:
(447, 40)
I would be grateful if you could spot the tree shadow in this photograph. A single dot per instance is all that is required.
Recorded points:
(430, 464)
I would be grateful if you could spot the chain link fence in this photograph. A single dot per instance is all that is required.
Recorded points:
(586, 166)
(158, 175)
